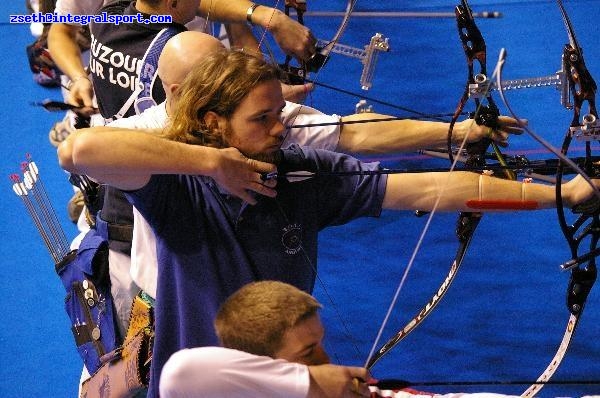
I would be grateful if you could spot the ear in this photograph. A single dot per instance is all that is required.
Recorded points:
(172, 89)
(215, 121)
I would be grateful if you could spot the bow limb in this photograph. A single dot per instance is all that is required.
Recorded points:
(465, 228)
(475, 51)
(341, 29)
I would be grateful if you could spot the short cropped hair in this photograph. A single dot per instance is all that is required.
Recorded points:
(256, 317)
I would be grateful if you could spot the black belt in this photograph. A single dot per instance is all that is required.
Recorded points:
(114, 232)
(119, 232)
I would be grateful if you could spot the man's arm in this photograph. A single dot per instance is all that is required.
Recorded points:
(126, 159)
(467, 191)
(66, 54)
(220, 372)
(293, 38)
(240, 36)
(406, 135)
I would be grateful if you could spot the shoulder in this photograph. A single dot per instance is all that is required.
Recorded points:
(314, 159)
(154, 117)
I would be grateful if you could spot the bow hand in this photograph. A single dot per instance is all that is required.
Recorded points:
(506, 126)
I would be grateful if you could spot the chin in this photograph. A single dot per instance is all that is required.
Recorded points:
(273, 157)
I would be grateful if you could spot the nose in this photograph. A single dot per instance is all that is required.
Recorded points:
(320, 357)
(278, 128)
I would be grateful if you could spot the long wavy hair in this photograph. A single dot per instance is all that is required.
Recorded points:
(217, 83)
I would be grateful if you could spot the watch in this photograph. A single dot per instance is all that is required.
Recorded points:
(250, 11)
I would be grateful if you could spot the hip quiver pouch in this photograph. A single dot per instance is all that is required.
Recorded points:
(84, 274)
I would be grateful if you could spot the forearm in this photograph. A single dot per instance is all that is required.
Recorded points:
(235, 11)
(395, 135)
(240, 36)
(464, 191)
(127, 158)
(65, 50)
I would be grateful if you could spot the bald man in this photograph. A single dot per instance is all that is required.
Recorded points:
(177, 58)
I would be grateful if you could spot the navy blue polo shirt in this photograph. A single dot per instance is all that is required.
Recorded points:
(210, 244)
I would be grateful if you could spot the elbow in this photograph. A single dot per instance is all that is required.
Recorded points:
(65, 156)
(173, 376)
(75, 153)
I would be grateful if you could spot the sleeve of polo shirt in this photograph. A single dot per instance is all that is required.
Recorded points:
(339, 199)
(221, 372)
(318, 137)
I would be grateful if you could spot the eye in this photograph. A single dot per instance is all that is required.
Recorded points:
(309, 353)
(262, 118)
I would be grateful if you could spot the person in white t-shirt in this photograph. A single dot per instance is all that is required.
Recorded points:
(260, 322)
(272, 346)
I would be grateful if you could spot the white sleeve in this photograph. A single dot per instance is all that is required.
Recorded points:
(408, 393)
(319, 137)
(144, 262)
(155, 117)
(221, 372)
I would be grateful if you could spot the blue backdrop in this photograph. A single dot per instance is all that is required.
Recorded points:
(503, 317)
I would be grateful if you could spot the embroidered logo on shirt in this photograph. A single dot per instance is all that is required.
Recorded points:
(292, 238)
